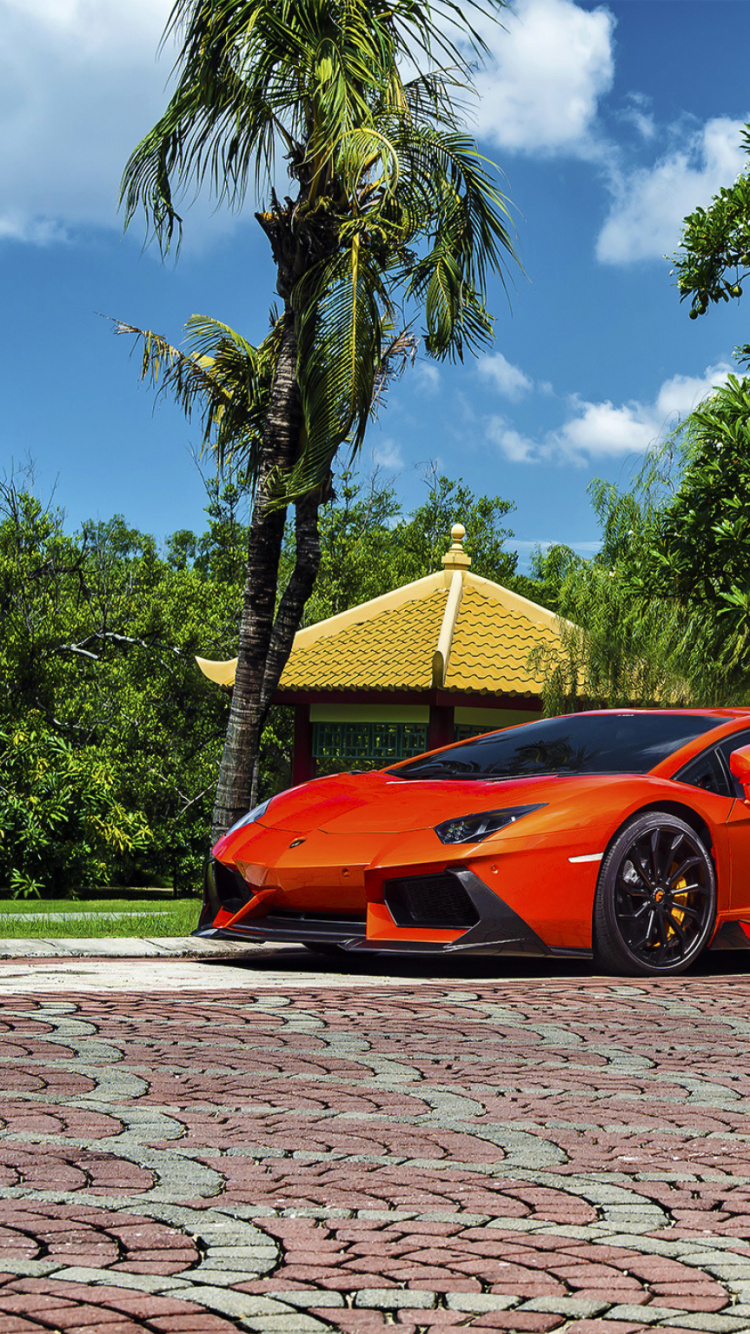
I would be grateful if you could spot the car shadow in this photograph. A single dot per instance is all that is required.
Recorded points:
(295, 961)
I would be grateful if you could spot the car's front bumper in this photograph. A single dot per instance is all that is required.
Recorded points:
(481, 922)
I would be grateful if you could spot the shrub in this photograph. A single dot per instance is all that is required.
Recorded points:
(61, 826)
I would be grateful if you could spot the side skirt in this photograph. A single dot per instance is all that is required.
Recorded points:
(730, 936)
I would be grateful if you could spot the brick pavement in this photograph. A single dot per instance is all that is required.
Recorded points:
(549, 1152)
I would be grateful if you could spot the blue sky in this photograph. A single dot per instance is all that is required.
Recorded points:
(609, 122)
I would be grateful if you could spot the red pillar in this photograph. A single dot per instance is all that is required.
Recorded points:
(303, 761)
(440, 731)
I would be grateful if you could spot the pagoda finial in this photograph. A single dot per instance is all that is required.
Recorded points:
(455, 557)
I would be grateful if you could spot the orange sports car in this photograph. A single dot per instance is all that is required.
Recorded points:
(621, 835)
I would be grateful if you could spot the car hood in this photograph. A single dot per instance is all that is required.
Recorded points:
(381, 803)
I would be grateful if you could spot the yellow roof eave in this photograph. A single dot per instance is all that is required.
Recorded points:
(221, 673)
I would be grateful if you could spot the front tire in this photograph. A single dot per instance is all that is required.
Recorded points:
(655, 904)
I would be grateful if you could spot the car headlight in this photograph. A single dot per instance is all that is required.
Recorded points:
(251, 817)
(473, 828)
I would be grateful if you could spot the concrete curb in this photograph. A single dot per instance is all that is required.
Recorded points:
(123, 947)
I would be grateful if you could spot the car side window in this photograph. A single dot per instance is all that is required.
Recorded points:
(708, 772)
(726, 747)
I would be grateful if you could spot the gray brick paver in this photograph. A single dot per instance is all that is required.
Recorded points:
(712, 1324)
(477, 1302)
(572, 1307)
(395, 1299)
(646, 1315)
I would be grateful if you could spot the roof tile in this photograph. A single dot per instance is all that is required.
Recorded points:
(491, 647)
(389, 651)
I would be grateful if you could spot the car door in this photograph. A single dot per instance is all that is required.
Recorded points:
(738, 827)
(709, 772)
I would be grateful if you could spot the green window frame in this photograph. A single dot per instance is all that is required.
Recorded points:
(368, 741)
(378, 743)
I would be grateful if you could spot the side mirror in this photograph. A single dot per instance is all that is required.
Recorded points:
(739, 763)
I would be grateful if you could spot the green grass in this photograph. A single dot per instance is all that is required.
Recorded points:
(160, 916)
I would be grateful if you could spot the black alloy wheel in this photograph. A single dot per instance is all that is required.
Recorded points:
(655, 903)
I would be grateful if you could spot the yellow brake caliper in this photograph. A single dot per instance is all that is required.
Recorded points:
(676, 911)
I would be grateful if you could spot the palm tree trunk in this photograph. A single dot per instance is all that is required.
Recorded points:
(285, 627)
(298, 590)
(247, 714)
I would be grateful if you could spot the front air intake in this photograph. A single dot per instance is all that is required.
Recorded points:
(224, 887)
(431, 901)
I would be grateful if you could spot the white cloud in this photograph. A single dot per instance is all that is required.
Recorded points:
(637, 114)
(544, 543)
(388, 454)
(606, 430)
(650, 203)
(80, 83)
(682, 393)
(516, 448)
(80, 86)
(601, 430)
(428, 376)
(539, 91)
(508, 379)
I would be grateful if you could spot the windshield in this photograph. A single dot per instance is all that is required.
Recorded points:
(593, 743)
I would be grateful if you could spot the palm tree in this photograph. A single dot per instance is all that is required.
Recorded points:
(391, 211)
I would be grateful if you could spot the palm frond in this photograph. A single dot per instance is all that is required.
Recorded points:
(343, 306)
(245, 374)
(443, 197)
(253, 73)
(188, 379)
(206, 336)
(447, 177)
(223, 375)
(367, 164)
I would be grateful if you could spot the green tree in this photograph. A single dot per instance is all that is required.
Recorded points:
(700, 552)
(357, 528)
(662, 613)
(693, 550)
(700, 547)
(714, 256)
(616, 647)
(623, 639)
(61, 824)
(550, 571)
(109, 736)
(421, 542)
(97, 641)
(391, 208)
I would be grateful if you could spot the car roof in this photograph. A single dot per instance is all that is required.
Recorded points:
(725, 714)
(728, 720)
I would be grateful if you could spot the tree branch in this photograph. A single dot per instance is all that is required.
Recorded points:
(128, 640)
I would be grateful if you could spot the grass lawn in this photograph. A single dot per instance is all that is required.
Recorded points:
(153, 916)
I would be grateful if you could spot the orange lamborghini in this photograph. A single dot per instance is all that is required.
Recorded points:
(621, 835)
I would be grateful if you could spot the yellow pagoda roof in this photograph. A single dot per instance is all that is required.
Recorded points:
(451, 630)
